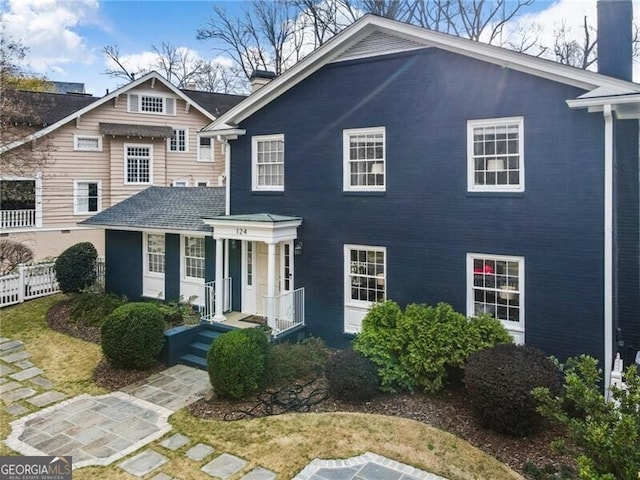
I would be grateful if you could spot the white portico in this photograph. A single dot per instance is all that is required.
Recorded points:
(268, 289)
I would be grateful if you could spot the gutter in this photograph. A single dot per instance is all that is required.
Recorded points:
(608, 246)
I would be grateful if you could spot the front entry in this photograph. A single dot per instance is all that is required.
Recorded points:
(255, 274)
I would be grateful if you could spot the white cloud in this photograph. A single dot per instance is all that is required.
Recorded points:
(48, 28)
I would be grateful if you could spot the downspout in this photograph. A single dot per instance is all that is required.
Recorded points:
(608, 246)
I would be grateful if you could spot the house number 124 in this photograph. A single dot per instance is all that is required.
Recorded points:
(241, 231)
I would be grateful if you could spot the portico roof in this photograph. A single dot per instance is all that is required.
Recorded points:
(255, 217)
(260, 227)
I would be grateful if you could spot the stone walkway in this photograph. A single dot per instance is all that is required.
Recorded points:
(104, 429)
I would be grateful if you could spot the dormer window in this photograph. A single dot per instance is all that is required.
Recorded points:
(151, 103)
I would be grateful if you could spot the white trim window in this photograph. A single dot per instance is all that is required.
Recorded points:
(364, 154)
(147, 102)
(179, 141)
(87, 143)
(495, 285)
(86, 196)
(495, 155)
(180, 183)
(205, 149)
(138, 165)
(155, 253)
(193, 257)
(365, 282)
(202, 183)
(267, 155)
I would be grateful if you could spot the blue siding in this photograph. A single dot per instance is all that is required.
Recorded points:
(171, 267)
(426, 218)
(123, 257)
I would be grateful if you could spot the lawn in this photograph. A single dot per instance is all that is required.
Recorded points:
(284, 444)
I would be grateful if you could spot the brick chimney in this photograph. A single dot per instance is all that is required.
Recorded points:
(615, 35)
(259, 78)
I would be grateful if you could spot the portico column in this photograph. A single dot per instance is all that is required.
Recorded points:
(218, 315)
(271, 281)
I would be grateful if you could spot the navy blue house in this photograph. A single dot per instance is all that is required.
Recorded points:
(399, 163)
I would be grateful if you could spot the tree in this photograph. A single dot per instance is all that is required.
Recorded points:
(19, 116)
(13, 254)
(576, 53)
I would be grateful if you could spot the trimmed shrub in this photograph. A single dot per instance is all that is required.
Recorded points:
(604, 434)
(352, 376)
(90, 308)
(288, 362)
(499, 381)
(420, 347)
(76, 267)
(236, 362)
(133, 335)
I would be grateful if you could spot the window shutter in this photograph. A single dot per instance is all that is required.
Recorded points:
(133, 103)
(171, 106)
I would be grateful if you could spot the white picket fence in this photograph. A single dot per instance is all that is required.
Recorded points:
(33, 281)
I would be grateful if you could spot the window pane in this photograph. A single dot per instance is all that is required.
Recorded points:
(366, 162)
(155, 253)
(496, 155)
(496, 288)
(366, 275)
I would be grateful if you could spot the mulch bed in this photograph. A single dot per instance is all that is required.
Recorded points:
(449, 412)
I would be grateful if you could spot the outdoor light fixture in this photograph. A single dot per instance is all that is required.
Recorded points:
(298, 248)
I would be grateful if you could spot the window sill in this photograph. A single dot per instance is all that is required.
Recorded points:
(506, 193)
(368, 193)
(268, 192)
(206, 160)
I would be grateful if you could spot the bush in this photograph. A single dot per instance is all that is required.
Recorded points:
(133, 335)
(288, 362)
(90, 308)
(236, 362)
(499, 381)
(76, 267)
(605, 434)
(352, 376)
(419, 347)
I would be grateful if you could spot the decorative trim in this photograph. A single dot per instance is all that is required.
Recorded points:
(78, 136)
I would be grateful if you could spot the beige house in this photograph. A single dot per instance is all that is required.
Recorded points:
(107, 149)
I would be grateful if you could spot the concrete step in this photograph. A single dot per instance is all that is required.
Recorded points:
(194, 361)
(200, 349)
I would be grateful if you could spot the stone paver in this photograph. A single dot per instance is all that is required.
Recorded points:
(367, 466)
(14, 357)
(162, 476)
(224, 466)
(18, 394)
(46, 398)
(15, 410)
(42, 382)
(143, 463)
(6, 370)
(7, 387)
(10, 345)
(4, 339)
(26, 374)
(24, 364)
(94, 430)
(260, 474)
(175, 442)
(199, 452)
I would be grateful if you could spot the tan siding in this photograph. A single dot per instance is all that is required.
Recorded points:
(51, 244)
(107, 166)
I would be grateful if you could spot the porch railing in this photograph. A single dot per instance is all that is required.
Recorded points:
(285, 311)
(17, 218)
(209, 309)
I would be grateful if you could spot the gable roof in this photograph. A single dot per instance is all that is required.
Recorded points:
(153, 76)
(214, 103)
(372, 35)
(46, 108)
(164, 208)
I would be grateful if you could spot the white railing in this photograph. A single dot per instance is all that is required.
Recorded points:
(209, 309)
(285, 311)
(34, 281)
(17, 218)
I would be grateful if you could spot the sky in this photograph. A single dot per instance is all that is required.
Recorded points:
(65, 37)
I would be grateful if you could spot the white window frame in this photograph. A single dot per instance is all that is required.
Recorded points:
(76, 199)
(147, 253)
(355, 308)
(198, 183)
(495, 122)
(254, 163)
(186, 141)
(37, 178)
(183, 259)
(180, 183)
(211, 157)
(76, 143)
(346, 159)
(516, 329)
(126, 162)
(145, 93)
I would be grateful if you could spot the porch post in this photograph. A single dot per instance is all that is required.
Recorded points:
(271, 282)
(219, 290)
